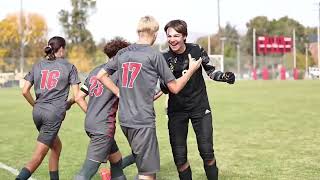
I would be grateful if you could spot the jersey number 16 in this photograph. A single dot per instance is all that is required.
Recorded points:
(49, 79)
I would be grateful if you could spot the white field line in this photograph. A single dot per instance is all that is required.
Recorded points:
(12, 170)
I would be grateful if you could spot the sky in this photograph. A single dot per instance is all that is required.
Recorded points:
(120, 17)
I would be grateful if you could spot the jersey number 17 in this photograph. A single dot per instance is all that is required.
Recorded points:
(134, 69)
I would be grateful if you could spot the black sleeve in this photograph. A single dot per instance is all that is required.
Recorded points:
(210, 70)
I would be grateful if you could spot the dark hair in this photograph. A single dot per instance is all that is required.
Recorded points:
(113, 46)
(179, 25)
(54, 44)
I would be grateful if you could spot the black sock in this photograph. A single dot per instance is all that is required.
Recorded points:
(186, 174)
(116, 169)
(24, 174)
(127, 161)
(211, 171)
(54, 175)
(88, 170)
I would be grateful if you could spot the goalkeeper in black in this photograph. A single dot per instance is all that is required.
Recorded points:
(191, 102)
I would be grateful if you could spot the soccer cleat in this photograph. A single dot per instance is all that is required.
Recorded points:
(105, 174)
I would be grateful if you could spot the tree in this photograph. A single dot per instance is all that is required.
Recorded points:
(78, 57)
(261, 24)
(283, 26)
(74, 24)
(232, 39)
(34, 39)
(276, 27)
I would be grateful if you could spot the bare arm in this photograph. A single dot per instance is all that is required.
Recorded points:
(71, 101)
(26, 93)
(175, 86)
(81, 101)
(104, 78)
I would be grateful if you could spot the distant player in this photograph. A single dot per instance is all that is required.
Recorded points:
(100, 122)
(139, 66)
(51, 79)
(191, 102)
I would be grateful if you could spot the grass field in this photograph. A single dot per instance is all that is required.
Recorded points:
(263, 130)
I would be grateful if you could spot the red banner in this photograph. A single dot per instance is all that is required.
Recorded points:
(274, 44)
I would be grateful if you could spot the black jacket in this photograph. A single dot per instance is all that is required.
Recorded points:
(193, 97)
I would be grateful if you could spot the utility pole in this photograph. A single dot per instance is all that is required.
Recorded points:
(254, 48)
(238, 60)
(306, 49)
(294, 49)
(219, 15)
(222, 52)
(319, 39)
(21, 39)
(209, 45)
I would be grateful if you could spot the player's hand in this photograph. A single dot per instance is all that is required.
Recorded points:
(69, 103)
(193, 63)
(229, 77)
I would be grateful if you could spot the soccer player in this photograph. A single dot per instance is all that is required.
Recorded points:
(51, 78)
(139, 66)
(191, 102)
(100, 121)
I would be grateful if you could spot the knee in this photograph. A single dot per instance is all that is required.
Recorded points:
(180, 156)
(145, 177)
(115, 157)
(210, 162)
(183, 167)
(57, 145)
(207, 153)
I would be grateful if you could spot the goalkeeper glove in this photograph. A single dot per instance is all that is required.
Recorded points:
(229, 77)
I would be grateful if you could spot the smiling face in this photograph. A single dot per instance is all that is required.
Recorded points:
(176, 40)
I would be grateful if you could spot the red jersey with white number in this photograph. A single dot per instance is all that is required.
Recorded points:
(139, 66)
(102, 105)
(52, 80)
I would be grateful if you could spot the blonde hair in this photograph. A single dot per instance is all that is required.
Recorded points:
(148, 24)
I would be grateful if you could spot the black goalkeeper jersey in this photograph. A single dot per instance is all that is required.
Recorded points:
(193, 97)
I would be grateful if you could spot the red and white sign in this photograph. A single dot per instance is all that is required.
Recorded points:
(274, 44)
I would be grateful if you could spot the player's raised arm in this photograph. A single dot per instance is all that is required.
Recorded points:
(175, 86)
(104, 78)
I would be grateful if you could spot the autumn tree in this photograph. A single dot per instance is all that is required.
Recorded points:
(78, 57)
(34, 40)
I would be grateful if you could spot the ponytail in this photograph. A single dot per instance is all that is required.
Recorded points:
(54, 44)
(49, 53)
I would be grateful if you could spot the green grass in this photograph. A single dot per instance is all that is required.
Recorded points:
(263, 130)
